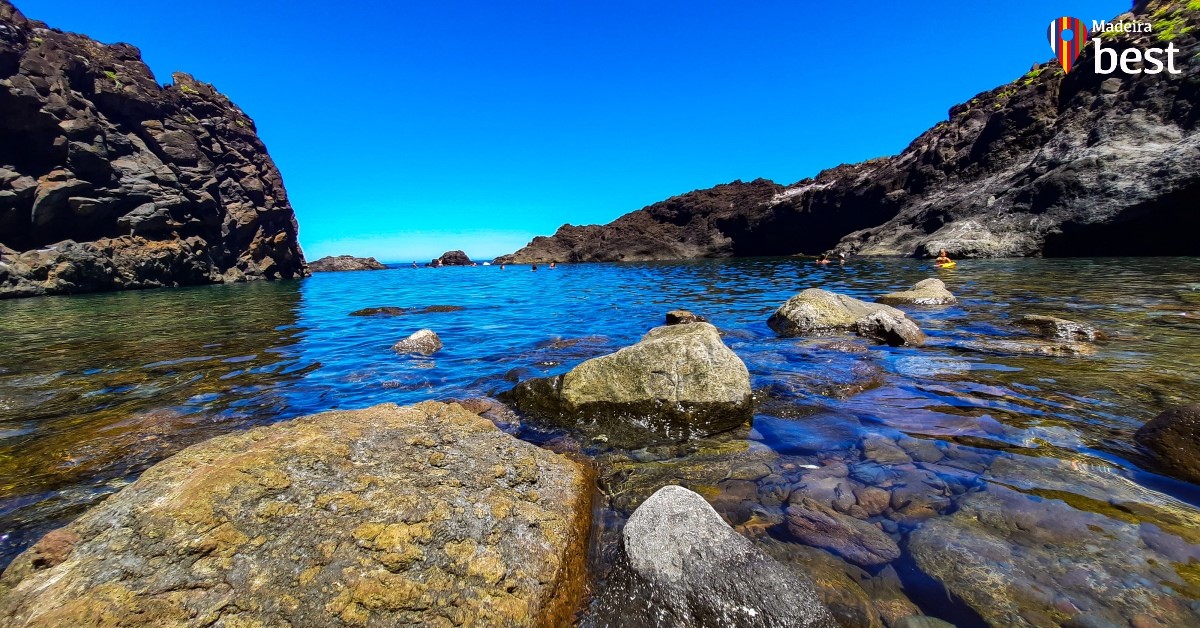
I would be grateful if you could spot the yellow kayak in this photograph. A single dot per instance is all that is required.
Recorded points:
(947, 265)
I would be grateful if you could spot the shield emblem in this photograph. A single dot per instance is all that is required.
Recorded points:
(1067, 37)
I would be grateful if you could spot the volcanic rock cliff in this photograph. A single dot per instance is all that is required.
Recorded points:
(110, 181)
(1050, 164)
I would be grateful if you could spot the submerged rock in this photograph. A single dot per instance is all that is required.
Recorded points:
(1001, 346)
(1174, 437)
(816, 311)
(345, 263)
(930, 291)
(1019, 560)
(391, 310)
(678, 382)
(1053, 328)
(682, 565)
(424, 514)
(423, 342)
(853, 539)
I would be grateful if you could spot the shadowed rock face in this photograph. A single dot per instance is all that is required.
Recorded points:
(109, 180)
(1049, 164)
(418, 515)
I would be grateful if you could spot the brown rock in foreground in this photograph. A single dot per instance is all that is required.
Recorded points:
(110, 181)
(424, 514)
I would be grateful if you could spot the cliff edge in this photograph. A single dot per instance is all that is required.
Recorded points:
(111, 181)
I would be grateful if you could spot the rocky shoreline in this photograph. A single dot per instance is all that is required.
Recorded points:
(1048, 164)
(435, 513)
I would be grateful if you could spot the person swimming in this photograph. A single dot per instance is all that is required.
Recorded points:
(534, 266)
(502, 267)
(824, 259)
(943, 257)
(552, 265)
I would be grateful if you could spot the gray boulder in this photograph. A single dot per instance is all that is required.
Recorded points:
(682, 565)
(423, 342)
(678, 382)
(343, 263)
(930, 291)
(817, 311)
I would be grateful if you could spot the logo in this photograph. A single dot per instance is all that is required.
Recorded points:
(1067, 37)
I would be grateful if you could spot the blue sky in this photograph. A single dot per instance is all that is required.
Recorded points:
(406, 129)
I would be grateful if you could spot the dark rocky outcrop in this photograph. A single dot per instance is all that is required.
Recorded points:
(109, 180)
(453, 258)
(1174, 437)
(1050, 164)
(330, 264)
(678, 382)
(418, 515)
(683, 317)
(391, 310)
(682, 565)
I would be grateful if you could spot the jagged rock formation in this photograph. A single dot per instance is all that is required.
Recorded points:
(109, 180)
(330, 264)
(1050, 164)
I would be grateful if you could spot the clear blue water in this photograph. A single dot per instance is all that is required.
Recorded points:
(94, 388)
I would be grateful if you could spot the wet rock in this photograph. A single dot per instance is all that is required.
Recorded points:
(857, 541)
(874, 501)
(891, 329)
(683, 566)
(678, 382)
(921, 449)
(1174, 437)
(1019, 560)
(921, 621)
(386, 310)
(389, 310)
(423, 342)
(1053, 328)
(837, 582)
(930, 291)
(682, 317)
(421, 515)
(888, 595)
(342, 263)
(816, 311)
(879, 448)
(996, 346)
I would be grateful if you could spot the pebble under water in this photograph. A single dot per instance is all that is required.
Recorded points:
(1007, 480)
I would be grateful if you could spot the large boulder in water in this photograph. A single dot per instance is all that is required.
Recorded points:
(930, 291)
(1174, 437)
(418, 515)
(453, 258)
(682, 565)
(678, 382)
(817, 311)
